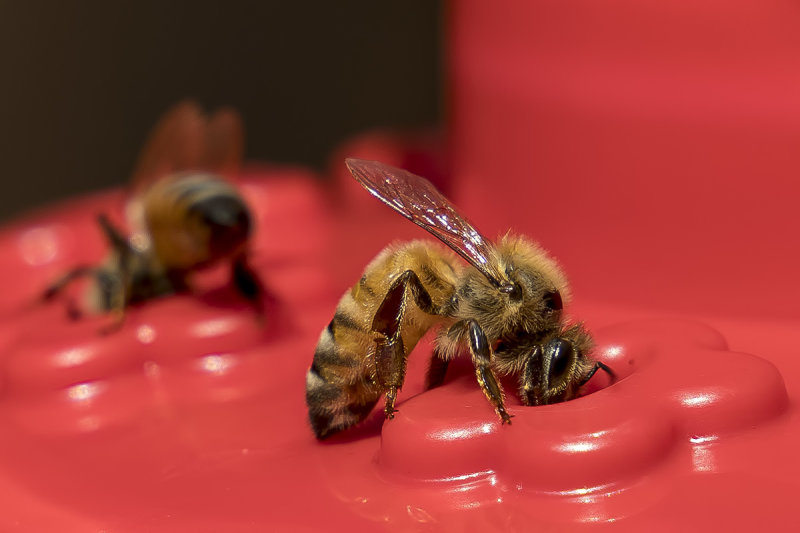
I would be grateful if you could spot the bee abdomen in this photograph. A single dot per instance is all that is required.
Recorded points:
(342, 385)
(332, 407)
(330, 357)
(338, 392)
(343, 321)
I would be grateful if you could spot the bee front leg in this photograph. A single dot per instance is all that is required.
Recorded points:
(529, 378)
(73, 310)
(390, 353)
(598, 366)
(482, 359)
(59, 285)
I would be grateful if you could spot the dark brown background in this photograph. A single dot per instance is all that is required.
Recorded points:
(82, 82)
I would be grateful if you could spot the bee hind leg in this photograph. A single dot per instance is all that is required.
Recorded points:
(482, 359)
(390, 353)
(249, 285)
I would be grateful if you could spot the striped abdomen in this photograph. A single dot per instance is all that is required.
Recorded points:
(341, 388)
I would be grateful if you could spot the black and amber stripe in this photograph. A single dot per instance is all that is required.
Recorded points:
(339, 391)
(342, 385)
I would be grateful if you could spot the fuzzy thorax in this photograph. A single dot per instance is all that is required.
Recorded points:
(535, 311)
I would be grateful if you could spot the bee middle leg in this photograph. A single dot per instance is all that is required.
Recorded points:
(482, 359)
(437, 369)
(390, 353)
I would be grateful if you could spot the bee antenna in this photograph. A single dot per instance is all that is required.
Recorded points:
(600, 366)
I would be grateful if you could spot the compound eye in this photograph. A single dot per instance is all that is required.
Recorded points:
(562, 356)
(552, 300)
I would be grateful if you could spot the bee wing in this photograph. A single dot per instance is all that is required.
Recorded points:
(185, 139)
(419, 201)
(175, 143)
(224, 143)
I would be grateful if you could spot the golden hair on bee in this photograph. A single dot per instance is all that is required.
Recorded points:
(195, 219)
(504, 307)
(184, 213)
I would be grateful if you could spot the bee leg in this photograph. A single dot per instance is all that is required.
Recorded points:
(111, 290)
(529, 378)
(53, 290)
(73, 310)
(390, 353)
(482, 359)
(436, 371)
(248, 283)
(114, 288)
(114, 237)
(599, 366)
(117, 320)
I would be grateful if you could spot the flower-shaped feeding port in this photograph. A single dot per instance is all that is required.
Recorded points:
(677, 381)
(679, 388)
(193, 410)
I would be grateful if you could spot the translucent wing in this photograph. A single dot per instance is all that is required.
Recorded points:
(419, 201)
(224, 143)
(185, 139)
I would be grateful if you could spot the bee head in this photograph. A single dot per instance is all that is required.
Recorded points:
(558, 367)
(226, 220)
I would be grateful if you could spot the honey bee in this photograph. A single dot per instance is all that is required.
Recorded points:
(505, 308)
(185, 216)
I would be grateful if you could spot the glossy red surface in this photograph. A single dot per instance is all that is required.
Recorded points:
(673, 217)
(192, 417)
(652, 137)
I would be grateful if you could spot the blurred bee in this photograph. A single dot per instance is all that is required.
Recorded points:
(185, 216)
(505, 308)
